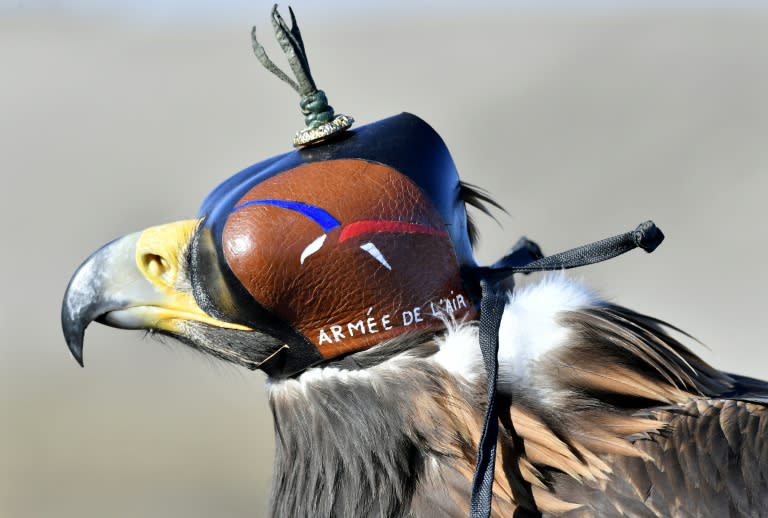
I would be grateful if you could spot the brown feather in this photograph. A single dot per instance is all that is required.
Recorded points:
(633, 424)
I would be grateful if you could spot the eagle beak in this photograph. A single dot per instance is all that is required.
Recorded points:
(135, 282)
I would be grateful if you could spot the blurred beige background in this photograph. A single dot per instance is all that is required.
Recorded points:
(582, 122)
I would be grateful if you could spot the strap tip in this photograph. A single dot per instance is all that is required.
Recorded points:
(648, 236)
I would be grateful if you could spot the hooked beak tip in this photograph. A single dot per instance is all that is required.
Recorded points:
(78, 356)
(75, 344)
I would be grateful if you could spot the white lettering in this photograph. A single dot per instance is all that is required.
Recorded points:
(337, 334)
(358, 326)
(371, 323)
(324, 337)
(407, 318)
(385, 323)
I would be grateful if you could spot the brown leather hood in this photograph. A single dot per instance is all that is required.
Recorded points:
(347, 251)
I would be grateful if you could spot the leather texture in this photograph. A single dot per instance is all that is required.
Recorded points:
(349, 252)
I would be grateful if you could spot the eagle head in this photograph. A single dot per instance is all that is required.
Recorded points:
(299, 259)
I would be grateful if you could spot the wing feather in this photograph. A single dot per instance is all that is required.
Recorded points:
(635, 424)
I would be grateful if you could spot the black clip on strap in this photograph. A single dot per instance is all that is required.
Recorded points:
(646, 236)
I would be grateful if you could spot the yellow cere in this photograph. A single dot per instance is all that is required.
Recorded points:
(157, 257)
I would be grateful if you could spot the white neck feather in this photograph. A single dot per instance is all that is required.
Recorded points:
(529, 329)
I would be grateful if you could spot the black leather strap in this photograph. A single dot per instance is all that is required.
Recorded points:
(646, 236)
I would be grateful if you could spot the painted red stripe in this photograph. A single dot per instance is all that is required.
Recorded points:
(371, 226)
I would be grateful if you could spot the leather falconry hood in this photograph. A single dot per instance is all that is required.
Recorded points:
(356, 237)
(342, 245)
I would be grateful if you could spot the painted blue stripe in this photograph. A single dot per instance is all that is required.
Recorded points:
(316, 214)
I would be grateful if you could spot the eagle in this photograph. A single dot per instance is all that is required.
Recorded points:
(345, 272)
(406, 380)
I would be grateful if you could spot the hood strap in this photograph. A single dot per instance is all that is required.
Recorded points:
(491, 309)
(646, 236)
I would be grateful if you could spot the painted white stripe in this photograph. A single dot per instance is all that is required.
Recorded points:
(376, 253)
(313, 247)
